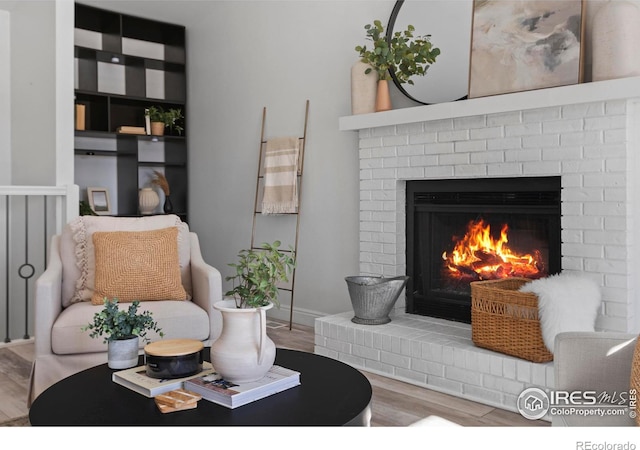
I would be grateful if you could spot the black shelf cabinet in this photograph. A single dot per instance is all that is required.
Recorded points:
(125, 64)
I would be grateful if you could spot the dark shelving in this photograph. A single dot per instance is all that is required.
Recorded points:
(125, 64)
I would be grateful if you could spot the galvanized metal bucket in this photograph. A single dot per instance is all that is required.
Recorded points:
(373, 298)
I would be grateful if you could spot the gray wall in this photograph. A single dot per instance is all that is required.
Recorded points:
(243, 56)
(33, 91)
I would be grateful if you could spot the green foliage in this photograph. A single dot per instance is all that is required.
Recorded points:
(85, 209)
(170, 117)
(257, 275)
(114, 323)
(404, 54)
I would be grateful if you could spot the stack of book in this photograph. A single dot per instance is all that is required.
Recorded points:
(131, 130)
(137, 380)
(217, 390)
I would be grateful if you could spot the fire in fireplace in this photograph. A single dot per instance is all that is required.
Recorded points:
(459, 231)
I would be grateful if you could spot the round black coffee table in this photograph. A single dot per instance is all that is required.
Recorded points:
(331, 393)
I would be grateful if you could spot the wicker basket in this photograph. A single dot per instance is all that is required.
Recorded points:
(506, 320)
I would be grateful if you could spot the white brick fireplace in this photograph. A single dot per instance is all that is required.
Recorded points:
(587, 134)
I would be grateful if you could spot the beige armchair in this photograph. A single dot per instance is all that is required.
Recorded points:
(594, 361)
(63, 305)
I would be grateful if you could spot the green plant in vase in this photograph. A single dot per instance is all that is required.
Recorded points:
(113, 323)
(168, 118)
(404, 55)
(258, 273)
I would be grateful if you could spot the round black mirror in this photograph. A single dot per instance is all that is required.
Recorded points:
(449, 24)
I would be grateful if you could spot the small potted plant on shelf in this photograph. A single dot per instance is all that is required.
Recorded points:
(243, 352)
(403, 55)
(121, 329)
(161, 119)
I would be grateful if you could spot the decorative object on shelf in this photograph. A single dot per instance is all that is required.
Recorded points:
(614, 33)
(383, 96)
(99, 200)
(126, 129)
(243, 352)
(373, 298)
(404, 55)
(148, 201)
(524, 45)
(121, 330)
(161, 119)
(161, 181)
(168, 206)
(449, 22)
(363, 88)
(80, 116)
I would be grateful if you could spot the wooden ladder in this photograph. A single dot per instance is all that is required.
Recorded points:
(260, 183)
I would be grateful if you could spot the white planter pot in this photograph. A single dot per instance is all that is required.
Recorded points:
(123, 353)
(243, 352)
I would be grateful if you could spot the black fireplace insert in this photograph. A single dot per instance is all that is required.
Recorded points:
(459, 231)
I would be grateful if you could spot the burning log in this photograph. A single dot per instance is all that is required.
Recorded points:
(478, 256)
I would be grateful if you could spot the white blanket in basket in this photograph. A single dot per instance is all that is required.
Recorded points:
(566, 302)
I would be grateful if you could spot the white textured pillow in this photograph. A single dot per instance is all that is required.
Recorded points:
(77, 245)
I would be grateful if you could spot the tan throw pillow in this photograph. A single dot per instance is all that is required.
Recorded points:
(635, 378)
(77, 245)
(137, 265)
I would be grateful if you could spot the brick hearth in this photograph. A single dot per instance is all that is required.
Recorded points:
(586, 134)
(434, 353)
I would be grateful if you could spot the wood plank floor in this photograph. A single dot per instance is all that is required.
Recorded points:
(394, 403)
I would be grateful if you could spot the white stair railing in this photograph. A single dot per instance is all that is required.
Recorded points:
(29, 217)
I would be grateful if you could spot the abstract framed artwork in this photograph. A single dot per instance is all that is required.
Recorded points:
(521, 45)
(99, 200)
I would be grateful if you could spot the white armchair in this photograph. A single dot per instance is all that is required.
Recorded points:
(62, 348)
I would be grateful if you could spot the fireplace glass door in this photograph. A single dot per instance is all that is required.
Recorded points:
(460, 231)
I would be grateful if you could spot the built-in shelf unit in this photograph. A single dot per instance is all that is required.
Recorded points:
(123, 65)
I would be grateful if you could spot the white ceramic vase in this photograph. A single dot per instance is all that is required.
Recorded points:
(614, 36)
(363, 88)
(243, 352)
(123, 353)
(148, 201)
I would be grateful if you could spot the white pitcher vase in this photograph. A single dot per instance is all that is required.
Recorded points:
(243, 352)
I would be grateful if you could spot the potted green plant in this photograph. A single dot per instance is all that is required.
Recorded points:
(121, 329)
(161, 119)
(243, 352)
(258, 273)
(404, 55)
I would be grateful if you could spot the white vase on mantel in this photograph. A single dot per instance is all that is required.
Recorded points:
(615, 33)
(363, 88)
(148, 201)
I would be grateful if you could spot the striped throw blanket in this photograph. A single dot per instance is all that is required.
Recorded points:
(280, 176)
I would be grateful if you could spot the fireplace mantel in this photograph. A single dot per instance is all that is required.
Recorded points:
(622, 88)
